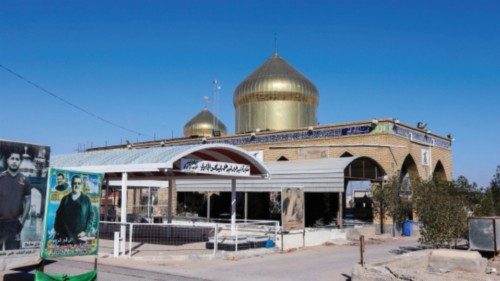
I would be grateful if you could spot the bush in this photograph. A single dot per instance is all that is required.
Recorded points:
(441, 211)
(390, 200)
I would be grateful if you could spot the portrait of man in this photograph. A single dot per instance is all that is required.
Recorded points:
(73, 220)
(292, 209)
(62, 185)
(15, 198)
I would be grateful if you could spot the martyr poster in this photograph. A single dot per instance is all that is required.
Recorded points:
(23, 177)
(71, 225)
(292, 208)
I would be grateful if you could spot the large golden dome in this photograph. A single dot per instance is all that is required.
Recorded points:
(202, 125)
(275, 97)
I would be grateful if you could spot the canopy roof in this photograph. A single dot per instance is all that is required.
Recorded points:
(315, 175)
(157, 162)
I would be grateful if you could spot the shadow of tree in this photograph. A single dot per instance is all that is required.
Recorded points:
(406, 249)
(347, 277)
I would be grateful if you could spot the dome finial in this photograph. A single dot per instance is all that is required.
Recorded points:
(275, 44)
(206, 101)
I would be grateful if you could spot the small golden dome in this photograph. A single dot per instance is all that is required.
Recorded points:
(202, 125)
(275, 97)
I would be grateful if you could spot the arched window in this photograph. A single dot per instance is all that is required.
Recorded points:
(346, 154)
(282, 158)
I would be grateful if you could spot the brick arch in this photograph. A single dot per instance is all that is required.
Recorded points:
(410, 168)
(439, 172)
(364, 168)
(346, 154)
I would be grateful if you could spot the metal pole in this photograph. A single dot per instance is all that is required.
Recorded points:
(246, 206)
(276, 225)
(340, 219)
(106, 199)
(171, 183)
(123, 211)
(149, 204)
(216, 239)
(130, 239)
(209, 195)
(233, 207)
(236, 241)
(362, 249)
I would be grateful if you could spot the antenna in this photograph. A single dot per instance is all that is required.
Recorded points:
(275, 44)
(216, 92)
(206, 101)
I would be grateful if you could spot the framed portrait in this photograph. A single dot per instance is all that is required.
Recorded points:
(72, 214)
(292, 208)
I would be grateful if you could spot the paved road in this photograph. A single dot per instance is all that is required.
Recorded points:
(315, 263)
(105, 272)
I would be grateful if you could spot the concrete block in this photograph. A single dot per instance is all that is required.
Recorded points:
(456, 260)
(355, 233)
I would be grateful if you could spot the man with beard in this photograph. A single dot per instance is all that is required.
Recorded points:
(15, 198)
(62, 185)
(73, 224)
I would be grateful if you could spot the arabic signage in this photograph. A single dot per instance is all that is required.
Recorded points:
(71, 225)
(214, 168)
(23, 176)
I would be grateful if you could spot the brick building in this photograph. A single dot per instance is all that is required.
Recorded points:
(276, 120)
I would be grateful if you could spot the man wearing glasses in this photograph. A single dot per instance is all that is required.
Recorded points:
(73, 222)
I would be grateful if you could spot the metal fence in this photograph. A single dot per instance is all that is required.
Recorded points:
(185, 237)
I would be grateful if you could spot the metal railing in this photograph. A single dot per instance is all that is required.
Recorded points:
(186, 237)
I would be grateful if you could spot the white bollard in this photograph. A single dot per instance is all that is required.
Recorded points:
(116, 244)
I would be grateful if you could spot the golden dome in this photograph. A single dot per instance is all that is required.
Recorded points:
(202, 125)
(275, 97)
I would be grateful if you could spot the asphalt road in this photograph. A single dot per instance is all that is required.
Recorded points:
(105, 272)
(315, 263)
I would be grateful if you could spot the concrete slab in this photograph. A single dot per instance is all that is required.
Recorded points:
(455, 260)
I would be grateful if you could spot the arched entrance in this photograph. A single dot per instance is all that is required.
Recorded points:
(359, 177)
(409, 169)
(439, 172)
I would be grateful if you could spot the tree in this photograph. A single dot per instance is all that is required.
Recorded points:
(390, 200)
(495, 191)
(442, 211)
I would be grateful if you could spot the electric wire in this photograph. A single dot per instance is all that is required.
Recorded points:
(71, 104)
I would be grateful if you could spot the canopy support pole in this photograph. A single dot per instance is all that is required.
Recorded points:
(233, 207)
(246, 206)
(171, 183)
(209, 195)
(123, 213)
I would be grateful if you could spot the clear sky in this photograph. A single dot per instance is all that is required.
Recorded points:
(146, 65)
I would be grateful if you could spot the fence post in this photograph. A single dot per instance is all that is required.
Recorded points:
(123, 237)
(236, 245)
(131, 229)
(216, 239)
(362, 249)
(116, 244)
(276, 225)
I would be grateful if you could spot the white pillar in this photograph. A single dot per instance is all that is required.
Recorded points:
(209, 195)
(233, 207)
(171, 183)
(123, 213)
(246, 206)
(149, 204)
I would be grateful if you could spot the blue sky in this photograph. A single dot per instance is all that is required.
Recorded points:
(147, 65)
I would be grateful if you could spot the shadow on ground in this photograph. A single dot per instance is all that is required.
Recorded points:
(25, 273)
(406, 249)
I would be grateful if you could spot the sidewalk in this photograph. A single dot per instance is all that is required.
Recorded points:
(160, 254)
